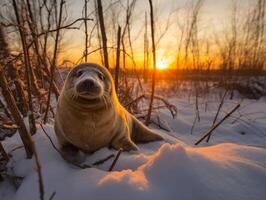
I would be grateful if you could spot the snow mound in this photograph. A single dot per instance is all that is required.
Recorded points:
(172, 171)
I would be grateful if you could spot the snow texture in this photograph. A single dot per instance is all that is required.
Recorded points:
(232, 166)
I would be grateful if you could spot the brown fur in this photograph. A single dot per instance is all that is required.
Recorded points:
(90, 124)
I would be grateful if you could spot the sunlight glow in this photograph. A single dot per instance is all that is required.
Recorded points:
(162, 64)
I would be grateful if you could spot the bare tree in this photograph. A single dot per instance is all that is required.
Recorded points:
(146, 52)
(53, 66)
(9, 98)
(86, 30)
(28, 66)
(103, 33)
(117, 59)
(154, 64)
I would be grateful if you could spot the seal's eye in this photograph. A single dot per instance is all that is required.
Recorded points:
(79, 73)
(101, 76)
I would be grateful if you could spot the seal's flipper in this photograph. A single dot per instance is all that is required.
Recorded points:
(142, 134)
(72, 154)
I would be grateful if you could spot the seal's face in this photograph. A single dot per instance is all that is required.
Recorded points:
(88, 81)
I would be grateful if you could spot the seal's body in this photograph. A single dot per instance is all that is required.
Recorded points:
(89, 115)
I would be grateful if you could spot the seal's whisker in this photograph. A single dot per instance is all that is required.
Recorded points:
(75, 96)
(107, 95)
(105, 101)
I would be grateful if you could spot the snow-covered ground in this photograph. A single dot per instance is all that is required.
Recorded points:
(231, 166)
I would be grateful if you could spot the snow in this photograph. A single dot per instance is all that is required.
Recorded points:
(231, 166)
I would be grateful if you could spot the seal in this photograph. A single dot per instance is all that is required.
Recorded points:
(89, 115)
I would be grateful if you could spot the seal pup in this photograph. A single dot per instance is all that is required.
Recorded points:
(89, 115)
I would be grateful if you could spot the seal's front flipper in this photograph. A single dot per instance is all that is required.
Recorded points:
(72, 154)
(142, 134)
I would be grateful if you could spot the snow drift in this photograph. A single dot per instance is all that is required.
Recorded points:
(172, 171)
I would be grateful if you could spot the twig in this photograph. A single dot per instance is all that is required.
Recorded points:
(217, 124)
(39, 172)
(115, 160)
(65, 26)
(53, 65)
(220, 106)
(99, 162)
(16, 148)
(159, 124)
(218, 111)
(9, 126)
(98, 49)
(86, 30)
(14, 179)
(194, 123)
(5, 109)
(3, 152)
(103, 33)
(52, 196)
(147, 121)
(197, 114)
(50, 139)
(117, 59)
(170, 107)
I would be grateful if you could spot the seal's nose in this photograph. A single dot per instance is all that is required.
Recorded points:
(86, 85)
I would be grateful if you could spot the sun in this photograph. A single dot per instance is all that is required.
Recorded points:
(162, 64)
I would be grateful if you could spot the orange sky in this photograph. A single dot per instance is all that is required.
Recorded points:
(214, 17)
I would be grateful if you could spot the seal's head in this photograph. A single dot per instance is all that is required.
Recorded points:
(88, 82)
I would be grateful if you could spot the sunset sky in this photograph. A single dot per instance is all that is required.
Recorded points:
(214, 17)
